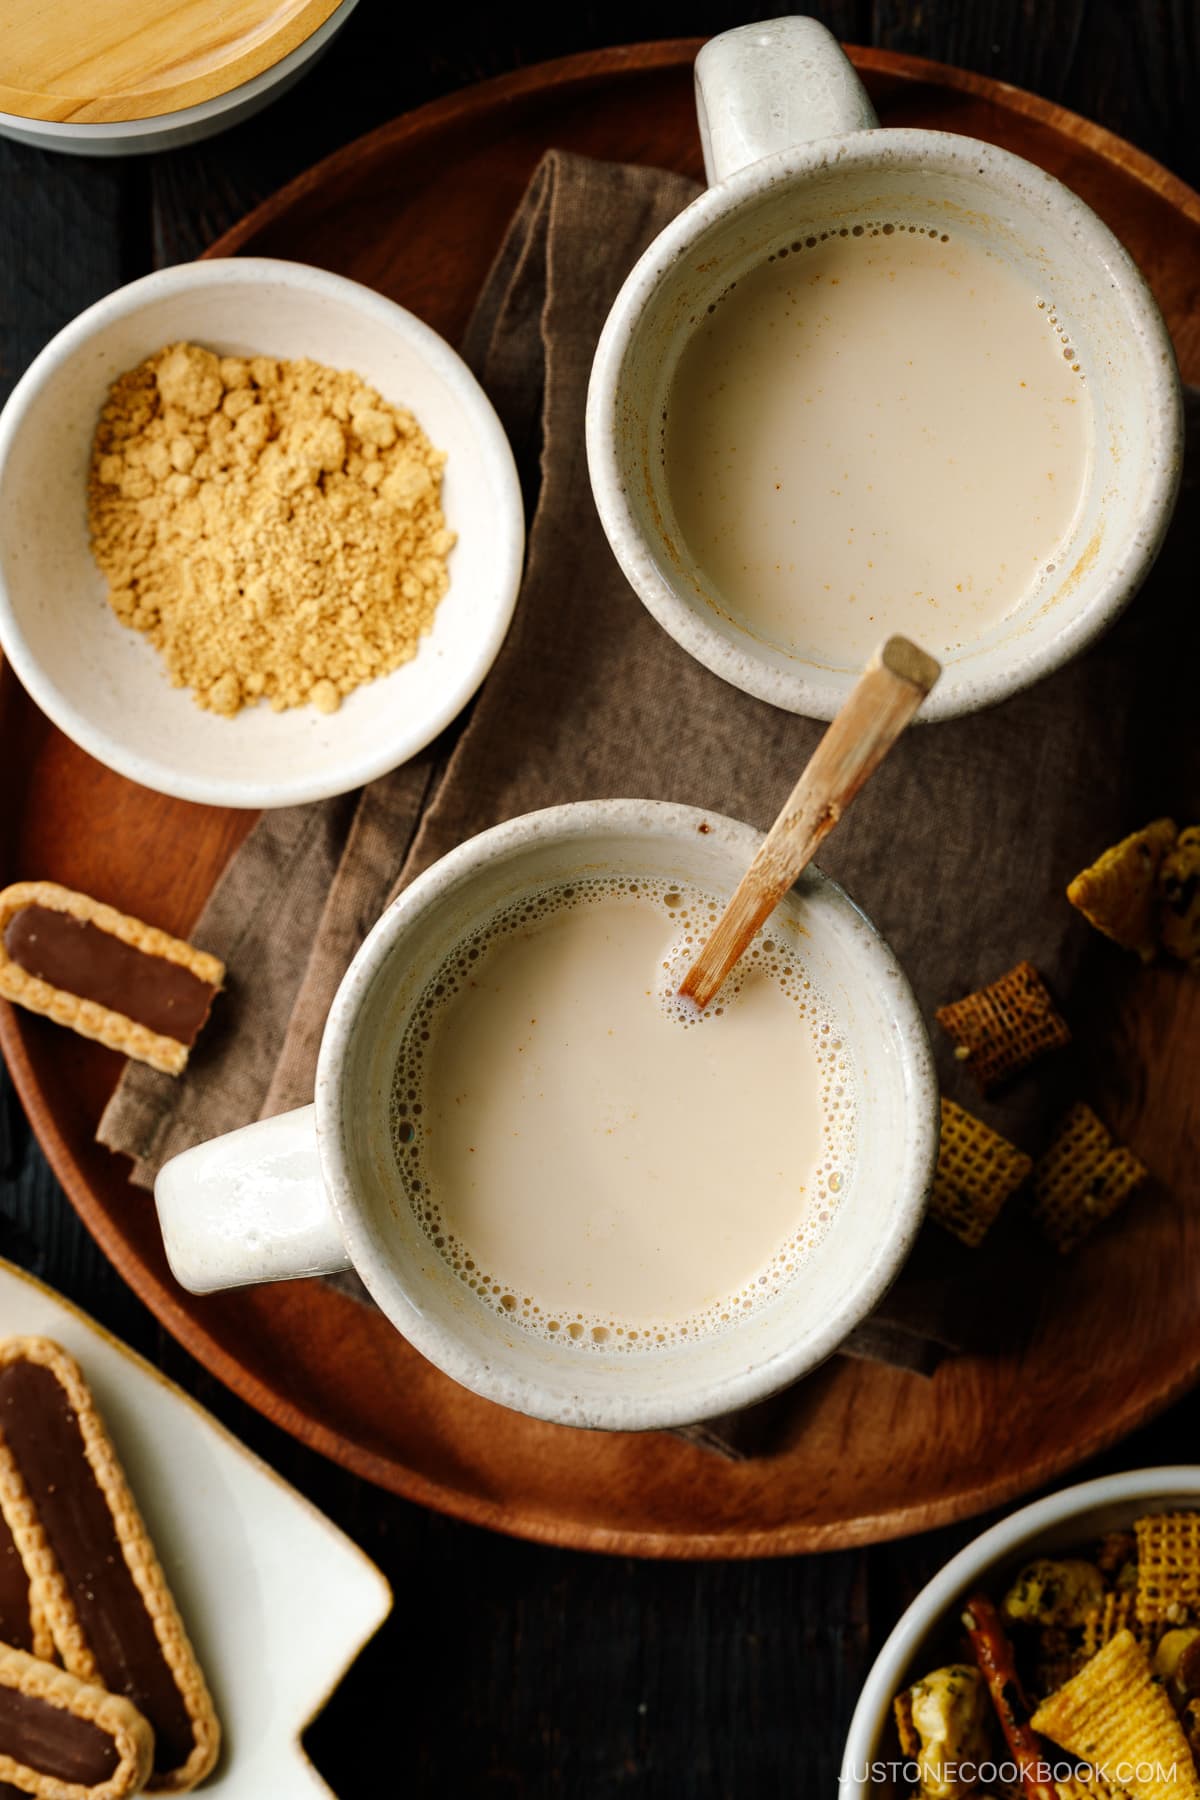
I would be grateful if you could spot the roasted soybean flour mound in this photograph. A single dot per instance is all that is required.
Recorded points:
(274, 528)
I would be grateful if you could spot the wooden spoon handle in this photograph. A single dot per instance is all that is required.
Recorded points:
(880, 705)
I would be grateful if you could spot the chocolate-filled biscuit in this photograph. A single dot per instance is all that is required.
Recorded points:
(93, 1568)
(17, 1616)
(103, 974)
(65, 1739)
(23, 1623)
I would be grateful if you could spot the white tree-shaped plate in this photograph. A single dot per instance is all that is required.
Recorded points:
(277, 1600)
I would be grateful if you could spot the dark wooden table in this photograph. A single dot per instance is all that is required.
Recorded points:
(509, 1669)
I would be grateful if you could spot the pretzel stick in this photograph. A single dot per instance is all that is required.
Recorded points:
(993, 1653)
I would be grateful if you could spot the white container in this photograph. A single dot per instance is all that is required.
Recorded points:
(924, 1638)
(105, 685)
(182, 125)
(792, 146)
(318, 1190)
(251, 1562)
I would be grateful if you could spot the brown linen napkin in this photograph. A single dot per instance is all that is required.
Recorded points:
(959, 849)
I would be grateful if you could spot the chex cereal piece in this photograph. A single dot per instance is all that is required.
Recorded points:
(1119, 893)
(1179, 899)
(1083, 1178)
(1058, 1656)
(1003, 1027)
(1117, 1612)
(977, 1170)
(1168, 1567)
(103, 974)
(94, 1569)
(1114, 1715)
(64, 1739)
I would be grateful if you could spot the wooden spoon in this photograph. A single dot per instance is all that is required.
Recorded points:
(880, 705)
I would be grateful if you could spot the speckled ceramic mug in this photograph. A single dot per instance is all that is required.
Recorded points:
(792, 147)
(320, 1189)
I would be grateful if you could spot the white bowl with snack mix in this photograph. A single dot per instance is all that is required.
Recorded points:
(1094, 1594)
(261, 532)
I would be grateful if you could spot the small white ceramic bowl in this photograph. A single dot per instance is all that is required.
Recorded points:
(105, 685)
(925, 1637)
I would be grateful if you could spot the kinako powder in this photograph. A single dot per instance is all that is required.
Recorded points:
(274, 528)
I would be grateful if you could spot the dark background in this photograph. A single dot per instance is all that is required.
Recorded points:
(509, 1669)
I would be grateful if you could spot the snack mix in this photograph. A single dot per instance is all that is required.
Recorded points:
(1087, 1668)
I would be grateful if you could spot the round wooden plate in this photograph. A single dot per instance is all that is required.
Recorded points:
(417, 210)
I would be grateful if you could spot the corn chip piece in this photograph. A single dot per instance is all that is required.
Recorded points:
(1116, 1717)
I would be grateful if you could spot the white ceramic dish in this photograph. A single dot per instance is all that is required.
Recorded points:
(165, 131)
(924, 1637)
(103, 684)
(251, 1562)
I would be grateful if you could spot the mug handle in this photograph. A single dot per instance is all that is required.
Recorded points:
(249, 1206)
(768, 87)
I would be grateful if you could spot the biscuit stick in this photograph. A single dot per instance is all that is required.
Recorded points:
(63, 1739)
(993, 1653)
(103, 974)
(95, 1572)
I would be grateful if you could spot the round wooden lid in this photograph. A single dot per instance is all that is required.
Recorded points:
(105, 61)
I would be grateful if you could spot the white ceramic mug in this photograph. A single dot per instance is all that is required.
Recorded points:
(792, 147)
(319, 1190)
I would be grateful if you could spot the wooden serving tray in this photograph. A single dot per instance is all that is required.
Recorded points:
(417, 210)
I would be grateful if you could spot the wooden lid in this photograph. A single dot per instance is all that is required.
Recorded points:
(104, 61)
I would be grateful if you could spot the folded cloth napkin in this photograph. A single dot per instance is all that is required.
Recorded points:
(959, 849)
